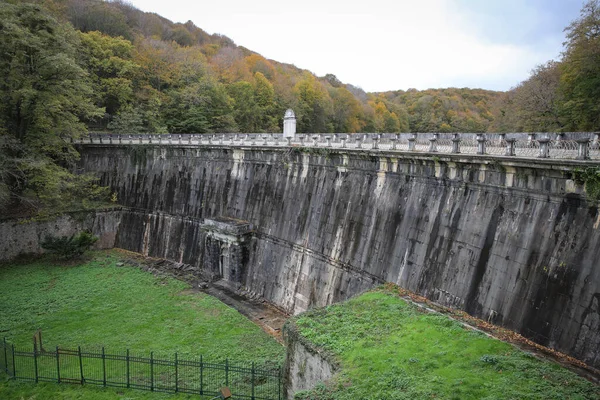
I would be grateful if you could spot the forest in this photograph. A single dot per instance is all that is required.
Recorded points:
(73, 66)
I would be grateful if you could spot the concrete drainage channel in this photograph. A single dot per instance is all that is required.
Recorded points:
(267, 316)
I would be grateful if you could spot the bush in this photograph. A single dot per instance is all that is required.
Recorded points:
(69, 247)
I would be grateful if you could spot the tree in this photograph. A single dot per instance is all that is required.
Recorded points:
(347, 110)
(257, 63)
(112, 70)
(537, 99)
(264, 95)
(245, 109)
(314, 105)
(580, 80)
(69, 247)
(44, 95)
(384, 120)
(201, 107)
(106, 17)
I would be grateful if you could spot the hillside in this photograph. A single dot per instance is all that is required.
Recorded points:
(446, 110)
(156, 75)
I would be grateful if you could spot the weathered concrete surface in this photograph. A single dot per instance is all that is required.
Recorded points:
(305, 365)
(19, 237)
(511, 241)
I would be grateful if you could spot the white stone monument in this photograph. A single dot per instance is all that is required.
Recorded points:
(289, 124)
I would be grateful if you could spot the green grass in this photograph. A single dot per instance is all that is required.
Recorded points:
(99, 304)
(389, 349)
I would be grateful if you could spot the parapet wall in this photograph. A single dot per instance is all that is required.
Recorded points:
(509, 240)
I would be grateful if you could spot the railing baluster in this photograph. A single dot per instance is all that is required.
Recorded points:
(456, 143)
(480, 143)
(412, 142)
(510, 147)
(544, 147)
(583, 151)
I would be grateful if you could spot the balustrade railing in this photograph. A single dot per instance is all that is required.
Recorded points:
(581, 146)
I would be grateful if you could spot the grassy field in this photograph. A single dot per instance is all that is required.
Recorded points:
(100, 303)
(390, 349)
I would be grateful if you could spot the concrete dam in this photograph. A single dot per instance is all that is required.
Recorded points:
(512, 240)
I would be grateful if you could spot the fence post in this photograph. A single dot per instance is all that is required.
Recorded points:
(279, 385)
(226, 372)
(57, 366)
(80, 363)
(252, 380)
(176, 375)
(127, 359)
(14, 364)
(152, 371)
(201, 376)
(35, 362)
(5, 357)
(103, 367)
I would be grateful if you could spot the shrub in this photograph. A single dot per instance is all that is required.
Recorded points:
(69, 247)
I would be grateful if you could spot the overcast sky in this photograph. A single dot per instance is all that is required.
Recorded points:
(383, 45)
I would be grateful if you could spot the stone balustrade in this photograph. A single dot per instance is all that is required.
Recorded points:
(580, 146)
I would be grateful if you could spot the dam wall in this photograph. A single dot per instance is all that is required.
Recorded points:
(512, 241)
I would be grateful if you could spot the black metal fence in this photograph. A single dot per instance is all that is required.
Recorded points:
(127, 370)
